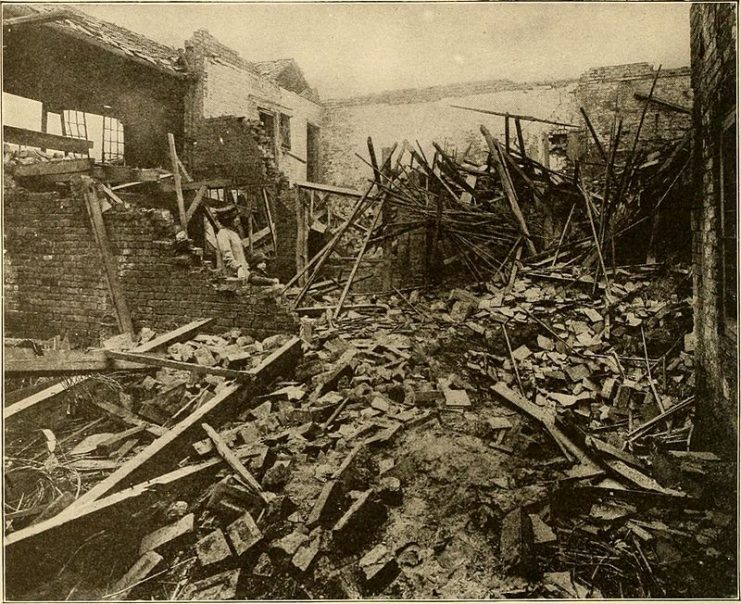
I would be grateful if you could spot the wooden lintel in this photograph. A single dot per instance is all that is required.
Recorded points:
(145, 359)
(176, 335)
(44, 140)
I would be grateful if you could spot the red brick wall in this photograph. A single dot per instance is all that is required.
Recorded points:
(55, 284)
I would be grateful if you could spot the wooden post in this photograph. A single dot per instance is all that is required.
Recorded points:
(178, 181)
(508, 188)
(506, 132)
(87, 188)
(271, 224)
(355, 267)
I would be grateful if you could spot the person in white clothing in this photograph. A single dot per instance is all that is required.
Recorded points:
(230, 244)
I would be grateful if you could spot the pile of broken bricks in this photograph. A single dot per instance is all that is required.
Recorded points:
(308, 484)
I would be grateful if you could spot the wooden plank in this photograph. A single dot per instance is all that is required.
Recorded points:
(195, 185)
(176, 335)
(128, 417)
(68, 362)
(145, 359)
(315, 186)
(233, 461)
(34, 552)
(44, 140)
(44, 395)
(256, 237)
(524, 118)
(497, 157)
(61, 168)
(87, 188)
(178, 180)
(175, 443)
(271, 224)
(195, 203)
(662, 103)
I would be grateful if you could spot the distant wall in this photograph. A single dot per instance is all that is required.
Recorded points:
(54, 282)
(713, 38)
(425, 115)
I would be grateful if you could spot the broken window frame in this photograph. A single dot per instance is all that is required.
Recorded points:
(729, 221)
(284, 128)
(273, 116)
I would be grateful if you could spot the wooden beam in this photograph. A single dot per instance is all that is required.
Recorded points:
(509, 189)
(68, 362)
(38, 18)
(87, 188)
(662, 103)
(195, 185)
(195, 203)
(233, 461)
(271, 224)
(39, 397)
(44, 140)
(167, 450)
(178, 180)
(524, 118)
(315, 186)
(63, 167)
(259, 236)
(176, 335)
(145, 359)
(38, 551)
(126, 416)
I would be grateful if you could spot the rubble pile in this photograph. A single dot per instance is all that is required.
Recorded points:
(491, 441)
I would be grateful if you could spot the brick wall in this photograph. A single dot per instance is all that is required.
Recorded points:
(228, 85)
(713, 44)
(233, 147)
(55, 284)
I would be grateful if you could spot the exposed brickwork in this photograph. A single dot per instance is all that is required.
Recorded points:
(228, 85)
(232, 147)
(713, 45)
(55, 284)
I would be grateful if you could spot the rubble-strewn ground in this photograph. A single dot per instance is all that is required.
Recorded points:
(393, 468)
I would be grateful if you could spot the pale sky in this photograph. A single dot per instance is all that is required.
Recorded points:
(347, 49)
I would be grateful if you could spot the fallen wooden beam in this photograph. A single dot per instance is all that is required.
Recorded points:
(233, 461)
(176, 335)
(128, 417)
(30, 554)
(195, 185)
(175, 443)
(40, 397)
(64, 169)
(44, 140)
(145, 359)
(663, 103)
(68, 362)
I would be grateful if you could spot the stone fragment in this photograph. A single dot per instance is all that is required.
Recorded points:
(516, 544)
(212, 548)
(244, 533)
(167, 534)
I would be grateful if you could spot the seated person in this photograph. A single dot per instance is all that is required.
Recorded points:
(258, 274)
(230, 243)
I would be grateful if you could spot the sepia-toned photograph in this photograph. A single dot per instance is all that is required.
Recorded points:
(372, 300)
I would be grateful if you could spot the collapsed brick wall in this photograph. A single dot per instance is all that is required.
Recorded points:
(55, 284)
(713, 47)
